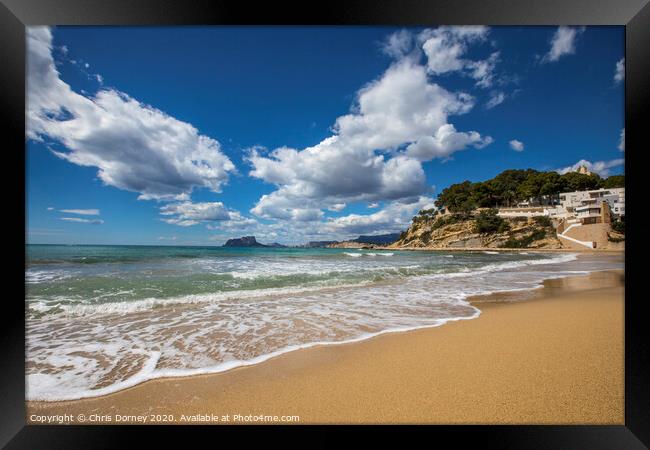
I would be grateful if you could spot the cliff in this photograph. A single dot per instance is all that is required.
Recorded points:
(453, 231)
(379, 239)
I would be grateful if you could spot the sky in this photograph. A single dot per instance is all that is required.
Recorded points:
(194, 135)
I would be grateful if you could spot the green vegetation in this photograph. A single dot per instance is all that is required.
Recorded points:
(615, 181)
(425, 215)
(512, 186)
(543, 221)
(524, 242)
(488, 222)
(618, 226)
(449, 219)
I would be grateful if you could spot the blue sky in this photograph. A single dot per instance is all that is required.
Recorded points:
(193, 135)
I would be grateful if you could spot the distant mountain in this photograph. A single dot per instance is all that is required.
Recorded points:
(246, 241)
(276, 245)
(316, 244)
(380, 239)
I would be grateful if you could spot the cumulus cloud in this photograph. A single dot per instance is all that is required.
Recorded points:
(376, 152)
(187, 213)
(445, 48)
(602, 168)
(398, 44)
(516, 145)
(134, 146)
(444, 142)
(619, 72)
(80, 220)
(395, 217)
(563, 43)
(83, 212)
(281, 204)
(621, 141)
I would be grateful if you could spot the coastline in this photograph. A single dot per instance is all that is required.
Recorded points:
(507, 250)
(398, 378)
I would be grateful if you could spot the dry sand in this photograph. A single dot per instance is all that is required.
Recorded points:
(554, 356)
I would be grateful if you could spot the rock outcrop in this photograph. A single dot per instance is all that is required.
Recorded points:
(246, 241)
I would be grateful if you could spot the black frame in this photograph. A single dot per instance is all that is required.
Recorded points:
(634, 14)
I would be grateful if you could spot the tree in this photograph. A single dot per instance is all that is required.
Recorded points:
(483, 194)
(488, 222)
(615, 181)
(456, 198)
(506, 184)
(574, 181)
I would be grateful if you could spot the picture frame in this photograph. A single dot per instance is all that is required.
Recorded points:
(633, 14)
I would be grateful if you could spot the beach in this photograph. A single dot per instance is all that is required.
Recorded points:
(541, 356)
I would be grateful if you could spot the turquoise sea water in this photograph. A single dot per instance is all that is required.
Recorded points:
(102, 318)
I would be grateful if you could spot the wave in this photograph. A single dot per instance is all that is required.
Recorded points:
(358, 255)
(62, 305)
(36, 382)
(413, 303)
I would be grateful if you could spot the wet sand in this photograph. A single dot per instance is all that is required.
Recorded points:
(549, 355)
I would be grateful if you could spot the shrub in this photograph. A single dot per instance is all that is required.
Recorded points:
(488, 222)
(618, 226)
(525, 241)
(543, 221)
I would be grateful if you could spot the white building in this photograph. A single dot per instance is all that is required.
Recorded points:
(587, 204)
(580, 206)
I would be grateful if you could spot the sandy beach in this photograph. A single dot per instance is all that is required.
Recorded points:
(549, 355)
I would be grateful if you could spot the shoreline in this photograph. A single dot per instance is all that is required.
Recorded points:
(148, 396)
(506, 250)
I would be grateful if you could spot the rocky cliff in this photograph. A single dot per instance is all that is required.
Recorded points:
(451, 231)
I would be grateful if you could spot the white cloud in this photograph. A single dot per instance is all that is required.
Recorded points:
(167, 238)
(282, 205)
(135, 146)
(236, 222)
(83, 212)
(373, 205)
(496, 98)
(445, 48)
(444, 142)
(186, 214)
(602, 168)
(375, 153)
(337, 207)
(50, 208)
(395, 217)
(619, 73)
(398, 44)
(80, 220)
(516, 145)
(621, 141)
(563, 43)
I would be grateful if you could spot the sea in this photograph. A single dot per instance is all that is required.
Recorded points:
(104, 318)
